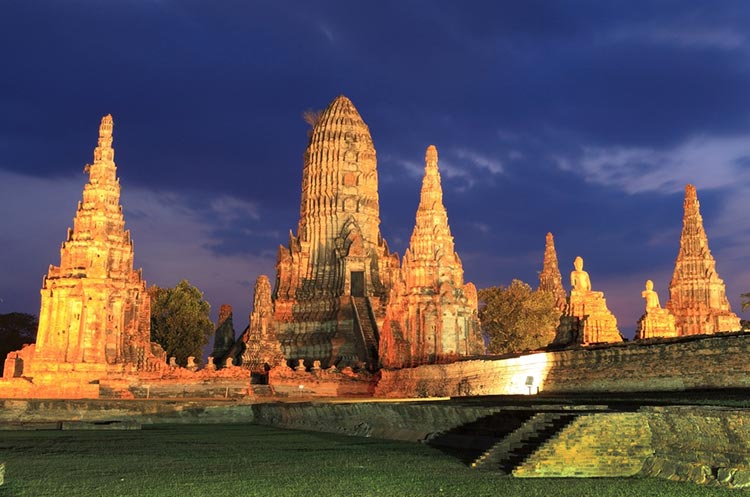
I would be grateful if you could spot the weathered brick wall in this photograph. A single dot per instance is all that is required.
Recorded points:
(14, 411)
(716, 361)
(606, 444)
(699, 444)
(395, 421)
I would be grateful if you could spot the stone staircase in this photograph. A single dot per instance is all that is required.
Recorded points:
(514, 449)
(368, 330)
(468, 441)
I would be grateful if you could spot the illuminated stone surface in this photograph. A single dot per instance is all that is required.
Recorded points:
(655, 322)
(95, 311)
(431, 313)
(338, 254)
(261, 347)
(697, 296)
(586, 318)
(550, 279)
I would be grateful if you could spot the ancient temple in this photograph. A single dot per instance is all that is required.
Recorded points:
(431, 313)
(224, 335)
(586, 318)
(95, 311)
(261, 349)
(550, 279)
(333, 279)
(697, 296)
(656, 322)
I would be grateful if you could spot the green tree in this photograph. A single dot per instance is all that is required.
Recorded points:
(517, 318)
(745, 301)
(180, 320)
(16, 329)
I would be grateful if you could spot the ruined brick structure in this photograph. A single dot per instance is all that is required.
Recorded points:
(261, 349)
(95, 311)
(550, 279)
(697, 296)
(431, 313)
(586, 318)
(655, 322)
(223, 336)
(333, 278)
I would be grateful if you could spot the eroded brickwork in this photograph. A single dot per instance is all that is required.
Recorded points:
(95, 311)
(431, 313)
(697, 296)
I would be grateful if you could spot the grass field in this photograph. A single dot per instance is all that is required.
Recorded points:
(250, 460)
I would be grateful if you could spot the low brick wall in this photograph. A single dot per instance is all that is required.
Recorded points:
(606, 444)
(700, 362)
(14, 411)
(408, 421)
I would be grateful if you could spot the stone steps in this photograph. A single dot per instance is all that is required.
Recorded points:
(368, 329)
(514, 449)
(470, 440)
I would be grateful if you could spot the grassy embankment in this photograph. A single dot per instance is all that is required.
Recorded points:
(249, 460)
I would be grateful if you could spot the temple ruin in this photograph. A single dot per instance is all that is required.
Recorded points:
(550, 279)
(431, 313)
(697, 296)
(95, 312)
(586, 318)
(656, 322)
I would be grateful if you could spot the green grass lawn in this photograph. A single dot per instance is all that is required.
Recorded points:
(250, 460)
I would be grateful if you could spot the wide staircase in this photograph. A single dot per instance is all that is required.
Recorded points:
(469, 441)
(510, 452)
(365, 323)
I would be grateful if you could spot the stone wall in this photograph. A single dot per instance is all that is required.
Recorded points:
(669, 364)
(606, 444)
(408, 421)
(699, 444)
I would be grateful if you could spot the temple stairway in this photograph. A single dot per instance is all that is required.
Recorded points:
(515, 448)
(501, 441)
(365, 323)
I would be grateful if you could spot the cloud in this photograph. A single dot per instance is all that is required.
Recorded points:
(480, 161)
(707, 162)
(682, 35)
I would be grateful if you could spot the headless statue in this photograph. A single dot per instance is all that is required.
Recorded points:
(579, 279)
(652, 298)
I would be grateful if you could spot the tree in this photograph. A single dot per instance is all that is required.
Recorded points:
(516, 318)
(745, 301)
(180, 320)
(16, 329)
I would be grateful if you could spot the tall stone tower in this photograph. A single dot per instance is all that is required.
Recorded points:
(431, 314)
(338, 255)
(697, 296)
(95, 312)
(550, 279)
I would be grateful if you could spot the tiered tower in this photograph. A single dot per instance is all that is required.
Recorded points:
(338, 254)
(95, 312)
(697, 296)
(261, 347)
(431, 313)
(550, 279)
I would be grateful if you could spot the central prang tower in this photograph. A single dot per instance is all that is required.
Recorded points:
(333, 279)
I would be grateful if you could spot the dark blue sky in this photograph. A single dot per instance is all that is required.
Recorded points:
(581, 118)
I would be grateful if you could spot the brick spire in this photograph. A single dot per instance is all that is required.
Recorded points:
(550, 279)
(697, 295)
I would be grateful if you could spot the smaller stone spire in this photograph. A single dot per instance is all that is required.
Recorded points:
(550, 279)
(697, 295)
(224, 336)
